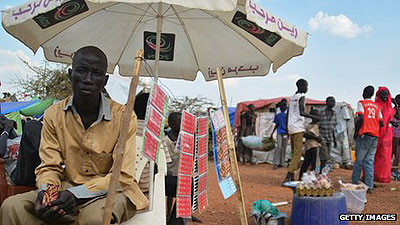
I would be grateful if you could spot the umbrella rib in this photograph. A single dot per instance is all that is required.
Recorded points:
(138, 8)
(166, 10)
(133, 31)
(228, 25)
(187, 35)
(126, 13)
(183, 11)
(151, 6)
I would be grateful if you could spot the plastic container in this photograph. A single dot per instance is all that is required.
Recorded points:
(318, 210)
(276, 220)
(355, 199)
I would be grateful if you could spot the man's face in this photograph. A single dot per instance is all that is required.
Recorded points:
(330, 102)
(283, 106)
(398, 99)
(252, 108)
(176, 124)
(88, 74)
(304, 88)
(384, 95)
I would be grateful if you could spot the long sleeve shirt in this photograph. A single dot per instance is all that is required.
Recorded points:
(84, 157)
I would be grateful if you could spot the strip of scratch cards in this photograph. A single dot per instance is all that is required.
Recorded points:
(154, 122)
(184, 189)
(200, 170)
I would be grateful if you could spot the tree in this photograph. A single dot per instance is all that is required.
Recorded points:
(49, 80)
(195, 105)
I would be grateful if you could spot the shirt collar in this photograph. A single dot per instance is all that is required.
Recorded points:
(104, 111)
(368, 99)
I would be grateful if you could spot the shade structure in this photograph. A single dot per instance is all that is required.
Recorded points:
(9, 107)
(195, 35)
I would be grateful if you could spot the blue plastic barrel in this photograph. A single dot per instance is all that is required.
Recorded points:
(318, 210)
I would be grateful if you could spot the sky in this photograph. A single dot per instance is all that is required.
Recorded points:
(351, 44)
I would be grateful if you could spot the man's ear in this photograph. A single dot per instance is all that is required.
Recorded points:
(106, 79)
(70, 74)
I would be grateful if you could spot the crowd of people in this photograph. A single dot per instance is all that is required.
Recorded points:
(377, 135)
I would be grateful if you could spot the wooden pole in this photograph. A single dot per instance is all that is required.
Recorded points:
(232, 152)
(123, 134)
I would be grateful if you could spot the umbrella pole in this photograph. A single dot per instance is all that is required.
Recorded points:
(156, 73)
(158, 40)
(117, 165)
(232, 152)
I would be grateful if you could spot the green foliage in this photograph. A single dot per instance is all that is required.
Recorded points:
(195, 105)
(47, 81)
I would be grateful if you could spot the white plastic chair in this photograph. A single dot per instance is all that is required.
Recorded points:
(155, 214)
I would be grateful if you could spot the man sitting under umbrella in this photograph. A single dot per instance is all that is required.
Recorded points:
(79, 137)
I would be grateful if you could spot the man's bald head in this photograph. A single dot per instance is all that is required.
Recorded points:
(90, 50)
(88, 73)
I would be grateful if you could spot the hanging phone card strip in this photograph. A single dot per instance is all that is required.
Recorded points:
(155, 121)
(203, 145)
(158, 98)
(184, 185)
(183, 207)
(188, 123)
(187, 143)
(201, 162)
(184, 202)
(203, 201)
(195, 204)
(202, 126)
(151, 145)
(186, 164)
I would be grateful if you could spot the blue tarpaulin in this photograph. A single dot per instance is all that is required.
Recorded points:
(9, 107)
(231, 111)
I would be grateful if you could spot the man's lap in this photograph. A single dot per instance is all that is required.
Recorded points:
(88, 213)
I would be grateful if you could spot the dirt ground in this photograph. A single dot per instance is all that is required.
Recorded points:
(262, 182)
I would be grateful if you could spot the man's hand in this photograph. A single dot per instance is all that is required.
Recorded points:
(66, 202)
(46, 212)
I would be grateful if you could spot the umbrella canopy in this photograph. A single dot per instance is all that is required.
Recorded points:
(195, 36)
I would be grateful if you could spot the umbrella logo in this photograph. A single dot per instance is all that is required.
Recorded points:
(250, 27)
(67, 10)
(268, 37)
(167, 46)
(64, 12)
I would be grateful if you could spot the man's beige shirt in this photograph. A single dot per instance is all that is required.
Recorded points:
(87, 154)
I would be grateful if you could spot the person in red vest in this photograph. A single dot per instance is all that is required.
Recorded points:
(368, 122)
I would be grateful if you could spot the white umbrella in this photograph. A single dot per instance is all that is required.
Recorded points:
(194, 37)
